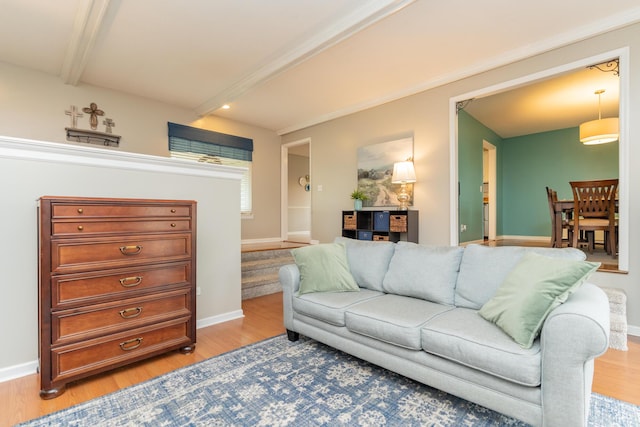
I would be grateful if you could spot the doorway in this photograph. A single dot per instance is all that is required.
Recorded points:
(458, 104)
(489, 189)
(296, 192)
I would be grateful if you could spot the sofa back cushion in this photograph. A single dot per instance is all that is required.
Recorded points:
(426, 272)
(484, 268)
(368, 261)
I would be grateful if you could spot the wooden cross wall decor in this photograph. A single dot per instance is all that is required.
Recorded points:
(93, 112)
(74, 113)
(109, 123)
(106, 138)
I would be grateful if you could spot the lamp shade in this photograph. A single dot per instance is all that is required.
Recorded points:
(403, 172)
(599, 131)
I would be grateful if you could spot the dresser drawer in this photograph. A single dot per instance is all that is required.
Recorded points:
(70, 255)
(93, 287)
(89, 210)
(102, 319)
(94, 355)
(79, 228)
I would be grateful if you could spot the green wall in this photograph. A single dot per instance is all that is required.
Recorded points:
(525, 166)
(471, 133)
(530, 163)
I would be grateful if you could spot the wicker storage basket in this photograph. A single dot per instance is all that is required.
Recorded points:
(398, 223)
(350, 222)
(380, 238)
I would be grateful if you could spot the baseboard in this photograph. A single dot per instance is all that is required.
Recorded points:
(225, 317)
(17, 371)
(526, 238)
(521, 238)
(267, 240)
(633, 330)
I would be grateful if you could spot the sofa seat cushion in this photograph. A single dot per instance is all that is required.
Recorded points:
(393, 319)
(462, 336)
(330, 306)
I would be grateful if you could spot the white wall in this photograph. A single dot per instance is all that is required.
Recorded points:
(33, 104)
(264, 222)
(30, 170)
(425, 116)
(299, 210)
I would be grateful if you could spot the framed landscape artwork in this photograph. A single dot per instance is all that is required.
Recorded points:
(375, 167)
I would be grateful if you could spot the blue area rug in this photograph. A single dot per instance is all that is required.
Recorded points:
(279, 383)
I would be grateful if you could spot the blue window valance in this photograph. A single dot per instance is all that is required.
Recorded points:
(188, 139)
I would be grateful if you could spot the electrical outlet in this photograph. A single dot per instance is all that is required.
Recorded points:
(463, 227)
(198, 290)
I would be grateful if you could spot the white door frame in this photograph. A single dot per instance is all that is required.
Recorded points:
(284, 184)
(623, 145)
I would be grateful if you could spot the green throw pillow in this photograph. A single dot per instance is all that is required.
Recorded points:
(535, 286)
(324, 268)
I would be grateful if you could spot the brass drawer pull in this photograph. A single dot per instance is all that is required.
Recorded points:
(127, 345)
(80, 228)
(173, 224)
(127, 281)
(135, 312)
(131, 249)
(80, 210)
(173, 211)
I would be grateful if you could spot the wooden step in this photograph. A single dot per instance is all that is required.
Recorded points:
(260, 271)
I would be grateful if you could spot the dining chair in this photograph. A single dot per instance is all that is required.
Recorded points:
(594, 209)
(557, 241)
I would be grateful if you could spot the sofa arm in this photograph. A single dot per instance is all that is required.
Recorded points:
(572, 336)
(290, 280)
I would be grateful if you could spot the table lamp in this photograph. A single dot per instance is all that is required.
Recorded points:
(403, 173)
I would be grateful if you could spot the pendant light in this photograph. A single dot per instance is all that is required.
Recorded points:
(599, 131)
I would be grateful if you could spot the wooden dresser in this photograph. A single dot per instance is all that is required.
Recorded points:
(116, 284)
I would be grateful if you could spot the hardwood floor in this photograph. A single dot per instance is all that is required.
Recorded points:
(617, 373)
(609, 264)
(19, 400)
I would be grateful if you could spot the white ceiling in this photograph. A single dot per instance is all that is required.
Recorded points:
(287, 64)
(558, 102)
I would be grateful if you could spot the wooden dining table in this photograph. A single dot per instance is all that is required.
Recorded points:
(560, 207)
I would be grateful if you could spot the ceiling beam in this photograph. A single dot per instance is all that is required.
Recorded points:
(341, 29)
(86, 27)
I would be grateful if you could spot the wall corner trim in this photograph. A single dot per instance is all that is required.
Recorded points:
(53, 152)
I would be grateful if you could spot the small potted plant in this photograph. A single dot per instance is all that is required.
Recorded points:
(358, 196)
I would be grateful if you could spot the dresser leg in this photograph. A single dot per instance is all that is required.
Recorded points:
(188, 349)
(52, 393)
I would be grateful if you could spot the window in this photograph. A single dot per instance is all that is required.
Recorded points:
(201, 145)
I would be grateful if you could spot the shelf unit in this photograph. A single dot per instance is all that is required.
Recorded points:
(383, 225)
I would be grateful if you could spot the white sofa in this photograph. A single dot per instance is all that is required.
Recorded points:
(416, 312)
